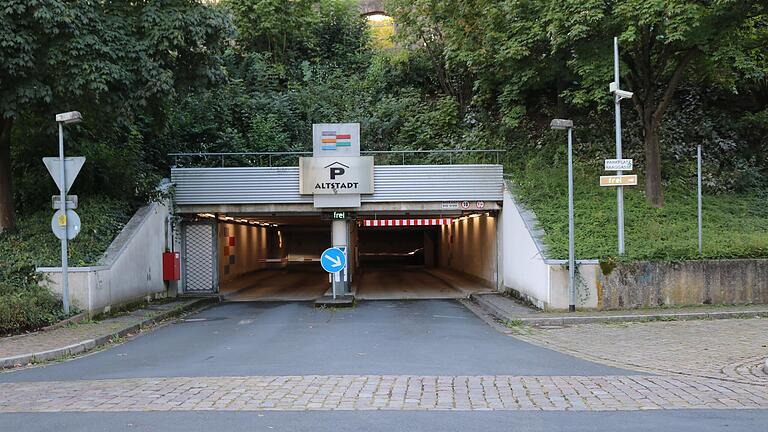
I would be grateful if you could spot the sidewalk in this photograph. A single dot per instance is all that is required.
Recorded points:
(77, 338)
(513, 312)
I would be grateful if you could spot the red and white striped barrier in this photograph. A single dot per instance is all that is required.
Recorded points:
(273, 260)
(406, 222)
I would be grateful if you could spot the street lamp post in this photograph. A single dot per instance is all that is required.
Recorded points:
(618, 95)
(62, 119)
(568, 125)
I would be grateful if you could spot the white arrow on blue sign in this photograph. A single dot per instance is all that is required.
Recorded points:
(333, 260)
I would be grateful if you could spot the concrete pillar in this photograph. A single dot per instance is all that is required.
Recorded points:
(340, 239)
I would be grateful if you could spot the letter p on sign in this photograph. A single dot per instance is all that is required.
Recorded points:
(336, 172)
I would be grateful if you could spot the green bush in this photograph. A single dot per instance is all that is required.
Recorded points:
(27, 307)
(24, 304)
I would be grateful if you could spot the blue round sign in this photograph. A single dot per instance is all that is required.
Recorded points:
(333, 260)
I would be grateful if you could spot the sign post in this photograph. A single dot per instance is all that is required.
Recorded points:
(698, 193)
(618, 95)
(333, 260)
(64, 173)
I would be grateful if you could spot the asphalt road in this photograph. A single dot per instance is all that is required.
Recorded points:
(384, 283)
(434, 337)
(296, 282)
(392, 421)
(385, 337)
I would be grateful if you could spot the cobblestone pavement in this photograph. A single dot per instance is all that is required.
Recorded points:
(693, 365)
(376, 392)
(732, 349)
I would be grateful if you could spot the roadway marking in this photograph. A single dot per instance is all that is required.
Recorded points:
(383, 392)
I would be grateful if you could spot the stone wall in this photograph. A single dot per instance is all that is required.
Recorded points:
(368, 7)
(645, 284)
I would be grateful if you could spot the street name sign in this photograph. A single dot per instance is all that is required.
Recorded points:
(71, 202)
(618, 164)
(333, 260)
(65, 225)
(618, 180)
(72, 166)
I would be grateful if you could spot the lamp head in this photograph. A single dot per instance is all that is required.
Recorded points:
(561, 124)
(69, 117)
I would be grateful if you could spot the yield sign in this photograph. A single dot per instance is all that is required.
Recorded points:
(72, 167)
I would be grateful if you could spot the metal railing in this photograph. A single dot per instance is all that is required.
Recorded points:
(382, 157)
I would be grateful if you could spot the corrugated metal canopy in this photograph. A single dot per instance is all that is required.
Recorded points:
(392, 183)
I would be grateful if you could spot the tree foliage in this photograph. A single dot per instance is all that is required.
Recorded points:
(512, 61)
(114, 61)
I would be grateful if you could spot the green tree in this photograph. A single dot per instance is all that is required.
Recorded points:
(663, 43)
(279, 27)
(114, 60)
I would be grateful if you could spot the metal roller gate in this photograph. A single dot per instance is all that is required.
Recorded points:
(200, 267)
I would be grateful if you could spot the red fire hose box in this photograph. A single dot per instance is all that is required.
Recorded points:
(171, 266)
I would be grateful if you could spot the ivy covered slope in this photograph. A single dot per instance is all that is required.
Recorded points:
(734, 225)
(24, 305)
(735, 214)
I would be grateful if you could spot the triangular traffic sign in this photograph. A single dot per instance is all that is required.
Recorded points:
(72, 167)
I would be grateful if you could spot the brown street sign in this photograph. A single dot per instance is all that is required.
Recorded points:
(618, 180)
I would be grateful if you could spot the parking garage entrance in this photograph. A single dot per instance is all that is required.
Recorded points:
(424, 230)
(272, 257)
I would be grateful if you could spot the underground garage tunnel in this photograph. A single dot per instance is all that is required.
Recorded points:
(276, 258)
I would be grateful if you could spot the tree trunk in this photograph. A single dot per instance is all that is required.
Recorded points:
(7, 219)
(653, 190)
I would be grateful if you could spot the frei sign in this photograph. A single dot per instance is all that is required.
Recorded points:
(336, 174)
(618, 180)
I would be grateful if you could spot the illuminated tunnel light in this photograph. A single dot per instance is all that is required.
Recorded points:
(406, 222)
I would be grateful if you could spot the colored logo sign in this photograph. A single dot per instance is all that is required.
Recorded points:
(331, 140)
(333, 260)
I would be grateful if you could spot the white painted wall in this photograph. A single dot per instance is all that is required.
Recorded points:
(524, 269)
(468, 245)
(251, 247)
(130, 270)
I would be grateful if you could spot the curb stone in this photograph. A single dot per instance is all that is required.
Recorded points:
(89, 344)
(589, 319)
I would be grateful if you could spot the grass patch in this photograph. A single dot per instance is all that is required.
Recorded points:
(734, 225)
(24, 305)
(513, 323)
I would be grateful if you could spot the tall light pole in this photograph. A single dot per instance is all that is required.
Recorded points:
(568, 125)
(618, 95)
(698, 197)
(62, 119)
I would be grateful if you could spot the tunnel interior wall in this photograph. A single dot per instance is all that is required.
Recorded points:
(468, 245)
(306, 242)
(243, 249)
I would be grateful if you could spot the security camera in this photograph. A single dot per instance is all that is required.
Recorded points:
(622, 94)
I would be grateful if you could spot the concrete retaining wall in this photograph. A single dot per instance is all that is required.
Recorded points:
(524, 270)
(644, 284)
(131, 268)
(544, 282)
